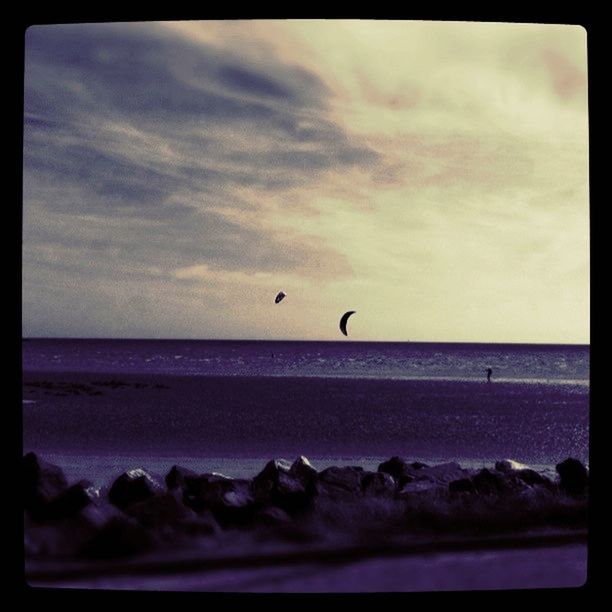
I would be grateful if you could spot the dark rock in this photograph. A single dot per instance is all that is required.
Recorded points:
(290, 487)
(71, 501)
(133, 486)
(509, 465)
(41, 481)
(463, 485)
(443, 473)
(402, 470)
(304, 472)
(531, 477)
(198, 492)
(230, 500)
(345, 478)
(175, 478)
(574, 477)
(160, 510)
(490, 482)
(378, 483)
(399, 468)
(421, 488)
(119, 537)
(273, 516)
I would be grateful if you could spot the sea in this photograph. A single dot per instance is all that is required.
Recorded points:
(99, 406)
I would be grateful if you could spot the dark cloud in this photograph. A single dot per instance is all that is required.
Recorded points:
(138, 149)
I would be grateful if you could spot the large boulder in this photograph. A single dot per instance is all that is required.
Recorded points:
(290, 487)
(132, 487)
(302, 469)
(71, 501)
(463, 485)
(533, 478)
(399, 468)
(162, 510)
(229, 499)
(574, 477)
(176, 477)
(41, 482)
(344, 478)
(493, 482)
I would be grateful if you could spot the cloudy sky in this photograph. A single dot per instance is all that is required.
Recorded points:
(431, 176)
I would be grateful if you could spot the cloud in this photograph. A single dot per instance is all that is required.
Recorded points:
(195, 166)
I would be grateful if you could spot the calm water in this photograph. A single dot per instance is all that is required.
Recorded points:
(382, 360)
(229, 406)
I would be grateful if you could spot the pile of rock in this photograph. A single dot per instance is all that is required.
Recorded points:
(140, 511)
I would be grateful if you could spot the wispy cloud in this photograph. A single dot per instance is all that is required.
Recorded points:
(179, 167)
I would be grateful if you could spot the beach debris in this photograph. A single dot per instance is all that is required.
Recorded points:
(574, 477)
(344, 320)
(280, 296)
(133, 486)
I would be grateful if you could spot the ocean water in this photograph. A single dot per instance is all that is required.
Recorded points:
(97, 407)
(374, 360)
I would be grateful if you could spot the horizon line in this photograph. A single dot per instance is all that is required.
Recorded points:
(586, 344)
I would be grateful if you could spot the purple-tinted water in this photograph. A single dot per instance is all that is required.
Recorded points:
(383, 360)
(336, 402)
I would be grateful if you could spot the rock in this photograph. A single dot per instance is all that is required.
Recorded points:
(175, 478)
(488, 482)
(417, 465)
(304, 472)
(399, 468)
(230, 500)
(574, 477)
(378, 483)
(41, 482)
(197, 492)
(345, 478)
(532, 478)
(160, 510)
(290, 487)
(419, 488)
(509, 465)
(119, 537)
(273, 516)
(463, 485)
(133, 486)
(443, 473)
(71, 501)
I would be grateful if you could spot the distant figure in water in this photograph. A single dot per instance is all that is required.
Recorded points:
(489, 372)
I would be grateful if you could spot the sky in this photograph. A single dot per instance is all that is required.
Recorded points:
(431, 176)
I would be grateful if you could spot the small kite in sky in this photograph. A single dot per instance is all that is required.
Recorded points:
(344, 321)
